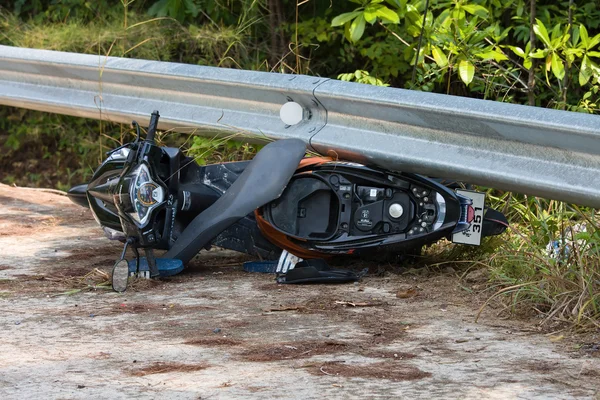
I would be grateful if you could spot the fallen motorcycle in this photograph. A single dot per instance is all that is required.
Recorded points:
(155, 198)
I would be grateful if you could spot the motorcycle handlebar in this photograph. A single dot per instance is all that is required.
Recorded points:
(152, 126)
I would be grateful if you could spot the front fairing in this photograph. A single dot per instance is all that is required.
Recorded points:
(99, 189)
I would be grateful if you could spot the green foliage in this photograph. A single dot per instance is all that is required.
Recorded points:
(60, 10)
(177, 9)
(371, 11)
(213, 150)
(474, 41)
(360, 76)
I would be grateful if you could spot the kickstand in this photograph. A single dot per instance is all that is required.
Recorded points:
(151, 263)
(137, 262)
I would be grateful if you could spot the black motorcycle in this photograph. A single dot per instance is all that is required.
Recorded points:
(155, 198)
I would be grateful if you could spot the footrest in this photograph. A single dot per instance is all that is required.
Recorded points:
(166, 267)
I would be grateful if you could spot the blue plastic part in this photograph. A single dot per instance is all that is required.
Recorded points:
(166, 266)
(267, 267)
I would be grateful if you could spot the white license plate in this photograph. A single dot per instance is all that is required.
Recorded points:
(472, 235)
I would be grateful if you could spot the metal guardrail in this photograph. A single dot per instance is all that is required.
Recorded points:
(542, 152)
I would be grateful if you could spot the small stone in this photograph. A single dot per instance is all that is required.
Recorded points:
(449, 270)
(217, 330)
(17, 322)
(478, 276)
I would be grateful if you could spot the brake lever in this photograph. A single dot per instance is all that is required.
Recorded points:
(136, 141)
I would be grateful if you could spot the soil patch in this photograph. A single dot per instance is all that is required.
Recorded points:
(292, 350)
(138, 308)
(166, 367)
(213, 341)
(371, 314)
(395, 355)
(69, 272)
(393, 371)
(590, 372)
(90, 253)
(539, 366)
(35, 223)
(24, 225)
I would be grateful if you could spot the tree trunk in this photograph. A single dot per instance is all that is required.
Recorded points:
(276, 19)
(531, 80)
(566, 80)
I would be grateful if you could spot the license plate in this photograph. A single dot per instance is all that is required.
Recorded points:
(472, 235)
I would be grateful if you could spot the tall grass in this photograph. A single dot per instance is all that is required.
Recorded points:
(136, 36)
(549, 261)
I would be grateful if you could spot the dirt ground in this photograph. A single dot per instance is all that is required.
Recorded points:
(218, 332)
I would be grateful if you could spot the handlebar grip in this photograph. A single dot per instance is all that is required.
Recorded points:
(152, 126)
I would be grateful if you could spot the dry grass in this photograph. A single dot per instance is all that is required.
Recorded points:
(166, 367)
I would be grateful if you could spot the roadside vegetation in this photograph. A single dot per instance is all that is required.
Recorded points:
(539, 52)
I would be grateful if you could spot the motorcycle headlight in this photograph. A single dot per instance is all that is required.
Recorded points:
(145, 194)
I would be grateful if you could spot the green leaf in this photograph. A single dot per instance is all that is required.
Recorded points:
(346, 33)
(518, 51)
(388, 15)
(477, 10)
(191, 8)
(594, 41)
(593, 53)
(542, 33)
(370, 13)
(413, 16)
(458, 14)
(396, 3)
(583, 35)
(575, 39)
(357, 28)
(343, 18)
(539, 54)
(558, 67)
(159, 9)
(492, 54)
(574, 52)
(466, 71)
(585, 72)
(556, 33)
(438, 55)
